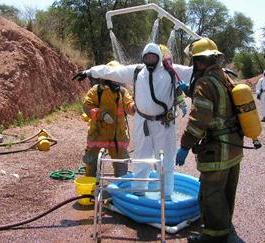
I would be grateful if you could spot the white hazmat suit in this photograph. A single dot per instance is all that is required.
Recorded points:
(260, 91)
(160, 137)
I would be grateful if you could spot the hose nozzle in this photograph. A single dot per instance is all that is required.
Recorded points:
(257, 143)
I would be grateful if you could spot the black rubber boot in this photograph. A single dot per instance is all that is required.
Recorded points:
(106, 195)
(207, 239)
(90, 170)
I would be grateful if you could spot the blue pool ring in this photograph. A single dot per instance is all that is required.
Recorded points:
(146, 210)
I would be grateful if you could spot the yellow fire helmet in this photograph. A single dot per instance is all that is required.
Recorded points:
(164, 50)
(114, 64)
(203, 47)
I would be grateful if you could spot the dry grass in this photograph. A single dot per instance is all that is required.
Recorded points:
(66, 48)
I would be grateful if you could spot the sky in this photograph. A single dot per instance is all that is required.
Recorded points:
(254, 9)
(250, 8)
(39, 4)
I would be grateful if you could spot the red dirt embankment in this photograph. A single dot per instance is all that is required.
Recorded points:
(34, 78)
(252, 81)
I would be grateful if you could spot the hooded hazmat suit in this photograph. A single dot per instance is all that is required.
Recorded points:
(160, 137)
(260, 91)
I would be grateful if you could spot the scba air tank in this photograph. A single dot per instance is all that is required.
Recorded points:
(247, 112)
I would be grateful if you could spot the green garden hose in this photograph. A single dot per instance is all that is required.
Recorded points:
(67, 174)
(62, 175)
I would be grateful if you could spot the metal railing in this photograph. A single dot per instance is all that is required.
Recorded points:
(100, 187)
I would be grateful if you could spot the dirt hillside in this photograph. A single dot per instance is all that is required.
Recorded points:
(34, 78)
(252, 81)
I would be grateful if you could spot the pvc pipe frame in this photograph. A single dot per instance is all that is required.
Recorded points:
(169, 229)
(161, 13)
(130, 160)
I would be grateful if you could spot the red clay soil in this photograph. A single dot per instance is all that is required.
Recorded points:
(252, 81)
(34, 78)
(34, 192)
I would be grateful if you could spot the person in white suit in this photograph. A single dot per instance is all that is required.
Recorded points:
(260, 91)
(154, 127)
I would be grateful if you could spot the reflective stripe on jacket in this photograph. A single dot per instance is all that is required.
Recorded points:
(107, 144)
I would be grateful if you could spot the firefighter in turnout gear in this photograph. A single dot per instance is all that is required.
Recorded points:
(106, 106)
(212, 119)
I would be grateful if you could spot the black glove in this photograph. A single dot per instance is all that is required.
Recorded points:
(81, 75)
(258, 96)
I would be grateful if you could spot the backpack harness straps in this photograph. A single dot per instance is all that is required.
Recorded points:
(121, 93)
(168, 115)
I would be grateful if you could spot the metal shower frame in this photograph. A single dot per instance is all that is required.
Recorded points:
(151, 6)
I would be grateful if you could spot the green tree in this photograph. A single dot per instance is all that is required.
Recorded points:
(133, 30)
(88, 24)
(84, 21)
(207, 17)
(57, 21)
(237, 35)
(178, 9)
(28, 15)
(249, 62)
(9, 12)
(243, 61)
(210, 18)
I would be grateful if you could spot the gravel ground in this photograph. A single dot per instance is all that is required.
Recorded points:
(34, 192)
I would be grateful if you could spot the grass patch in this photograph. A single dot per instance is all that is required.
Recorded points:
(2, 128)
(21, 121)
(76, 108)
(66, 47)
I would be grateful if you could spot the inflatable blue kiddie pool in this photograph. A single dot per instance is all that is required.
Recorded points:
(147, 209)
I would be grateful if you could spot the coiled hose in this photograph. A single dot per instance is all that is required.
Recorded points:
(27, 140)
(32, 147)
(13, 225)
